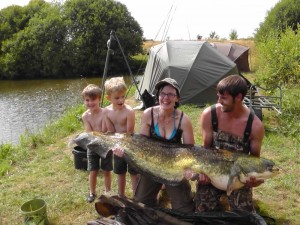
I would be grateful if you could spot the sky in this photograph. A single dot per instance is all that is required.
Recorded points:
(186, 19)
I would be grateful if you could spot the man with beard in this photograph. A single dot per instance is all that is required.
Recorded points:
(230, 125)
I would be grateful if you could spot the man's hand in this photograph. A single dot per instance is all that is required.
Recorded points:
(203, 179)
(253, 182)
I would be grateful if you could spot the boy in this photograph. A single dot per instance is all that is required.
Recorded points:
(95, 119)
(123, 118)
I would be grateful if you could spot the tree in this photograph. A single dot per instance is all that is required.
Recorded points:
(279, 59)
(90, 23)
(286, 13)
(15, 18)
(233, 35)
(213, 35)
(38, 50)
(49, 40)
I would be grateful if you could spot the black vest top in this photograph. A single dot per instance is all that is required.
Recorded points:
(225, 140)
(177, 137)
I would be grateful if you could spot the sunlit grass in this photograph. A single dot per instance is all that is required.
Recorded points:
(42, 166)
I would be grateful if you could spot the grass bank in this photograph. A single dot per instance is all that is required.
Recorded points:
(42, 167)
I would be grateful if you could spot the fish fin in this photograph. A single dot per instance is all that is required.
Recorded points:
(237, 173)
(231, 184)
(233, 178)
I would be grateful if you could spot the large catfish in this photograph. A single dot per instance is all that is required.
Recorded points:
(166, 162)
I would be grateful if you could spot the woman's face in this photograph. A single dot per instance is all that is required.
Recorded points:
(168, 97)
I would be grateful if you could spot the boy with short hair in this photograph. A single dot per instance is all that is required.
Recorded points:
(95, 119)
(122, 117)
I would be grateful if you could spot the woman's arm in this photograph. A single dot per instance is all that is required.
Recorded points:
(187, 128)
(146, 122)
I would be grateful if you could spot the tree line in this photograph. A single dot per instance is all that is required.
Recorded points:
(62, 40)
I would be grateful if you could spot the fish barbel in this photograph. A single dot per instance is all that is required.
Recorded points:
(166, 162)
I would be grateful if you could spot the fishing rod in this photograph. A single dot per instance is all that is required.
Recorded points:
(129, 69)
(109, 51)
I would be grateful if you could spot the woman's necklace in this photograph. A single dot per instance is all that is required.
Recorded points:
(165, 120)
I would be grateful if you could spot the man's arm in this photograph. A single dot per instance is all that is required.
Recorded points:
(207, 138)
(206, 128)
(256, 137)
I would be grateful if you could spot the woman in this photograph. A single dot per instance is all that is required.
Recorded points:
(165, 122)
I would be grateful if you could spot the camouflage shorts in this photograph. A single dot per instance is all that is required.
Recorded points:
(209, 198)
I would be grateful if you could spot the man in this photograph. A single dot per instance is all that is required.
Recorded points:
(229, 125)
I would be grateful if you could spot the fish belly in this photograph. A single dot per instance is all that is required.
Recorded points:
(220, 182)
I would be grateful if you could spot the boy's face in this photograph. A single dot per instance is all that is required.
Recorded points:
(91, 102)
(117, 99)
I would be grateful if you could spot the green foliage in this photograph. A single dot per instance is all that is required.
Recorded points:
(51, 40)
(68, 123)
(41, 42)
(213, 35)
(47, 172)
(7, 151)
(279, 59)
(289, 121)
(89, 24)
(286, 13)
(233, 35)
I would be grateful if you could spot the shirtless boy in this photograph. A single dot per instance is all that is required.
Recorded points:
(94, 119)
(122, 117)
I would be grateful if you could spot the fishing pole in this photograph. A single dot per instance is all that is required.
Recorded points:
(109, 51)
(127, 64)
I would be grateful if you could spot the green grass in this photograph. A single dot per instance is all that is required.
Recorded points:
(42, 166)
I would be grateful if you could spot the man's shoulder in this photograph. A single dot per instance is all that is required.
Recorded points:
(207, 110)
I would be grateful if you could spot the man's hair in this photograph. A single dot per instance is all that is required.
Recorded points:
(92, 91)
(115, 84)
(233, 85)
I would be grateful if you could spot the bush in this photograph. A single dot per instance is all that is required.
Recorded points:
(279, 59)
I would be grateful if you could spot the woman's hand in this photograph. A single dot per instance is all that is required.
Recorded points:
(189, 174)
(201, 178)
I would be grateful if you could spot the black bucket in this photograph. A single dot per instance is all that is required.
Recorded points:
(80, 158)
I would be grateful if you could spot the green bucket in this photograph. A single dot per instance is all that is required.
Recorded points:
(35, 212)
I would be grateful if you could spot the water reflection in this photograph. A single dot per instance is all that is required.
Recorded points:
(30, 105)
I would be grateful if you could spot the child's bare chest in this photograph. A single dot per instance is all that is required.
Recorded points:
(119, 120)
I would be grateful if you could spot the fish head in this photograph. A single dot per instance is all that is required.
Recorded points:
(102, 148)
(247, 167)
(82, 139)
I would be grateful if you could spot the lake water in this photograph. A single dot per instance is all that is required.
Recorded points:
(30, 105)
